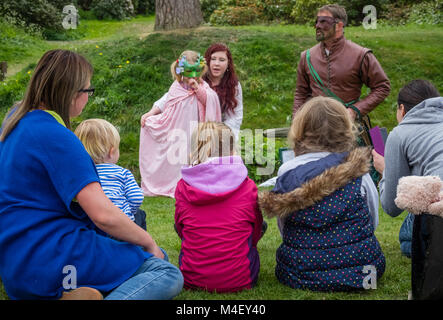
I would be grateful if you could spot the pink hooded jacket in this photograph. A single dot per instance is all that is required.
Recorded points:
(218, 219)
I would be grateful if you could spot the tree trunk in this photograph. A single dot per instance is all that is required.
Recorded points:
(176, 14)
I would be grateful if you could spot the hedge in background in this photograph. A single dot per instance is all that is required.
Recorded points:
(35, 14)
(245, 12)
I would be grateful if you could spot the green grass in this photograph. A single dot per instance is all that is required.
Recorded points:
(266, 60)
(393, 285)
(112, 29)
(18, 47)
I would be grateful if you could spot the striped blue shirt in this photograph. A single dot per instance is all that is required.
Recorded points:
(121, 188)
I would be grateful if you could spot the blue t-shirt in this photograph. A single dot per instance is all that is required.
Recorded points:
(46, 238)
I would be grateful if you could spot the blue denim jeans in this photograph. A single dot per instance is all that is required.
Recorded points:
(156, 279)
(405, 235)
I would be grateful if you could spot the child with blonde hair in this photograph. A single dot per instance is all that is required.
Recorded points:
(101, 140)
(217, 215)
(165, 132)
(326, 203)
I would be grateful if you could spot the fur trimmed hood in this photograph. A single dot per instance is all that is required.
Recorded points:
(356, 164)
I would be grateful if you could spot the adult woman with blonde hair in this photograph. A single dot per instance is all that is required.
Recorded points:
(53, 213)
(326, 203)
(216, 215)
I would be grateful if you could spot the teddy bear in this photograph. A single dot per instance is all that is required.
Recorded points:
(420, 194)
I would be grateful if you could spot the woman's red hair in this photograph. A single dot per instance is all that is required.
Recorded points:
(226, 89)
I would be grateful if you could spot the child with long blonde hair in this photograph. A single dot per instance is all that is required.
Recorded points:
(217, 215)
(326, 203)
(165, 133)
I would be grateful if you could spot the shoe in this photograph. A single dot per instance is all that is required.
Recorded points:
(82, 293)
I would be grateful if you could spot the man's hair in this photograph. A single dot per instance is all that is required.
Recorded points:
(337, 11)
(322, 124)
(98, 137)
(415, 92)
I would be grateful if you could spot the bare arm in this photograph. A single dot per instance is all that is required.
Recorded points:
(107, 217)
(155, 110)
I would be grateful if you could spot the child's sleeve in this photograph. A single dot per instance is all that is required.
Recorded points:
(234, 119)
(134, 194)
(369, 190)
(396, 166)
(161, 103)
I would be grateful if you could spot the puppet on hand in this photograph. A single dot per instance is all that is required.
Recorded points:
(420, 195)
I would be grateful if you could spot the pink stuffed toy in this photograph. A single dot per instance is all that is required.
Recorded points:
(420, 195)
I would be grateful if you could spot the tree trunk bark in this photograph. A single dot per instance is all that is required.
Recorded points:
(176, 14)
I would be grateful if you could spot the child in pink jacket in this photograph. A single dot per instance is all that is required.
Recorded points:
(217, 216)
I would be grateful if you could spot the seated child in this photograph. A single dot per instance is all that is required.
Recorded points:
(101, 140)
(217, 215)
(165, 133)
(327, 204)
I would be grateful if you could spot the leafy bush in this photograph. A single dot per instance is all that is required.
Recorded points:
(394, 14)
(354, 9)
(35, 14)
(242, 12)
(43, 17)
(112, 9)
(277, 10)
(85, 4)
(304, 11)
(236, 16)
(208, 7)
(237, 12)
(427, 13)
(144, 6)
(262, 163)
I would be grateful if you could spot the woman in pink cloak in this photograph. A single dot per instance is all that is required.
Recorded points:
(165, 132)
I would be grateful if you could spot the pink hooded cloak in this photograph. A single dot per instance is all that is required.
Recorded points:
(165, 138)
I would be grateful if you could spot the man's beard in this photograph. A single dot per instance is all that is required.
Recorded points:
(325, 35)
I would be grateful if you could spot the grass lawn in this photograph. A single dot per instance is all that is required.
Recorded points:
(393, 285)
(131, 65)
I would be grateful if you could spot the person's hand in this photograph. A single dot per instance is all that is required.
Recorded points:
(379, 161)
(154, 111)
(143, 119)
(193, 84)
(157, 252)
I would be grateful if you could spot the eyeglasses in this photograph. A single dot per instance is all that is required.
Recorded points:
(90, 91)
(325, 20)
